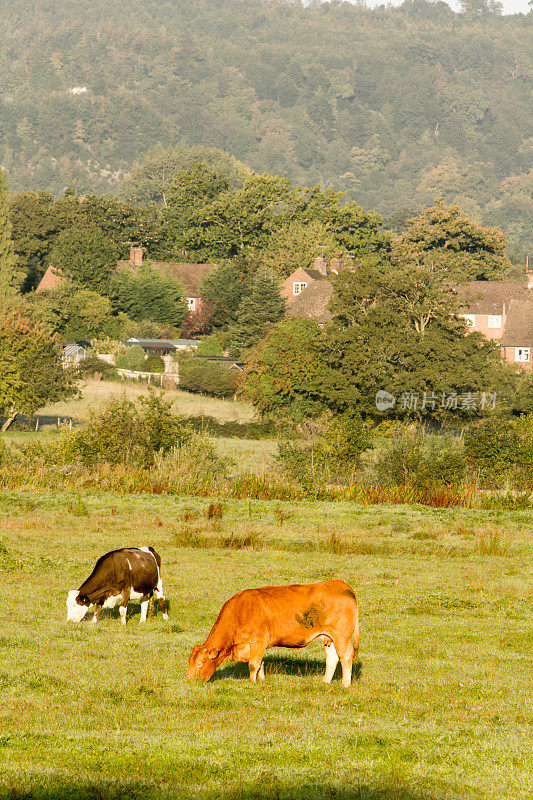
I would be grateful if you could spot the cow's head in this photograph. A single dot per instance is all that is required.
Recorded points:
(203, 661)
(77, 606)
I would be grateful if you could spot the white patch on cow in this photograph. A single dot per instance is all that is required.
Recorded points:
(332, 660)
(136, 595)
(129, 565)
(146, 550)
(144, 610)
(122, 611)
(112, 601)
(75, 611)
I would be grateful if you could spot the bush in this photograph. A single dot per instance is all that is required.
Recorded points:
(120, 433)
(132, 359)
(421, 461)
(210, 346)
(90, 366)
(154, 364)
(498, 449)
(334, 453)
(208, 377)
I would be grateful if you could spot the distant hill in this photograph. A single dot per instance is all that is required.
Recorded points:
(397, 106)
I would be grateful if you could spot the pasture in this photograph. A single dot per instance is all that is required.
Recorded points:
(440, 710)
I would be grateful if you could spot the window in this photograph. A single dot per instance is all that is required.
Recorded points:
(495, 321)
(522, 353)
(470, 319)
(191, 303)
(297, 288)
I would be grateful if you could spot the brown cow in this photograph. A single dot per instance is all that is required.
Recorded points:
(282, 616)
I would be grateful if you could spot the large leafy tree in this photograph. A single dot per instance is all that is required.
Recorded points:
(258, 310)
(393, 329)
(31, 374)
(10, 275)
(443, 237)
(148, 295)
(86, 256)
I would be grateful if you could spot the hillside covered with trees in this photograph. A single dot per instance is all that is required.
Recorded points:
(396, 106)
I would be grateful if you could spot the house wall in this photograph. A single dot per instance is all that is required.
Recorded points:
(287, 287)
(509, 354)
(481, 324)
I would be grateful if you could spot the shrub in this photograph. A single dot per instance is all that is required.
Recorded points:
(210, 346)
(333, 454)
(421, 461)
(120, 433)
(90, 366)
(498, 449)
(154, 364)
(207, 377)
(132, 359)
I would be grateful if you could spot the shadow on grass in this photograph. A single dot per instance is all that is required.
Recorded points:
(284, 665)
(266, 788)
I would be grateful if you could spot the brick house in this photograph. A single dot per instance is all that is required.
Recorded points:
(302, 279)
(517, 340)
(502, 311)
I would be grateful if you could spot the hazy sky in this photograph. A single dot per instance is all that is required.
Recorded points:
(509, 6)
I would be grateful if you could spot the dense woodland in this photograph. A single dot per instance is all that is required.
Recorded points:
(395, 106)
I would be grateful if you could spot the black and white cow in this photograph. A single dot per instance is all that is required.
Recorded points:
(132, 573)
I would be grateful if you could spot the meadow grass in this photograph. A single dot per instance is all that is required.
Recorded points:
(440, 709)
(94, 394)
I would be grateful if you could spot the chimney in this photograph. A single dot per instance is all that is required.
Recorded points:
(336, 265)
(320, 265)
(136, 256)
(529, 280)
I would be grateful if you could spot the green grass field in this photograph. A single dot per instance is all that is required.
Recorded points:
(95, 393)
(441, 708)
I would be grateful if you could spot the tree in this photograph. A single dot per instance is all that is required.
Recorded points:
(297, 245)
(285, 371)
(148, 295)
(31, 373)
(224, 289)
(152, 180)
(86, 256)
(10, 275)
(444, 238)
(74, 313)
(36, 224)
(261, 308)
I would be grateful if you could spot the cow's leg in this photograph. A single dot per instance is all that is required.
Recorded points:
(345, 650)
(125, 598)
(255, 662)
(261, 673)
(97, 609)
(144, 609)
(161, 600)
(332, 659)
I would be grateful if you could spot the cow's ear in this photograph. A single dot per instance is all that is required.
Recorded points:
(213, 654)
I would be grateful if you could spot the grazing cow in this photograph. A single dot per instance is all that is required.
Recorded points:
(132, 573)
(282, 616)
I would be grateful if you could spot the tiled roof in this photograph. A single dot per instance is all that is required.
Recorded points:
(490, 297)
(519, 324)
(51, 279)
(313, 302)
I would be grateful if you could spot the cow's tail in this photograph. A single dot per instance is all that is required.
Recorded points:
(355, 633)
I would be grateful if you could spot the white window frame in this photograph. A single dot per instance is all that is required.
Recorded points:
(522, 354)
(494, 321)
(298, 287)
(191, 303)
(470, 319)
